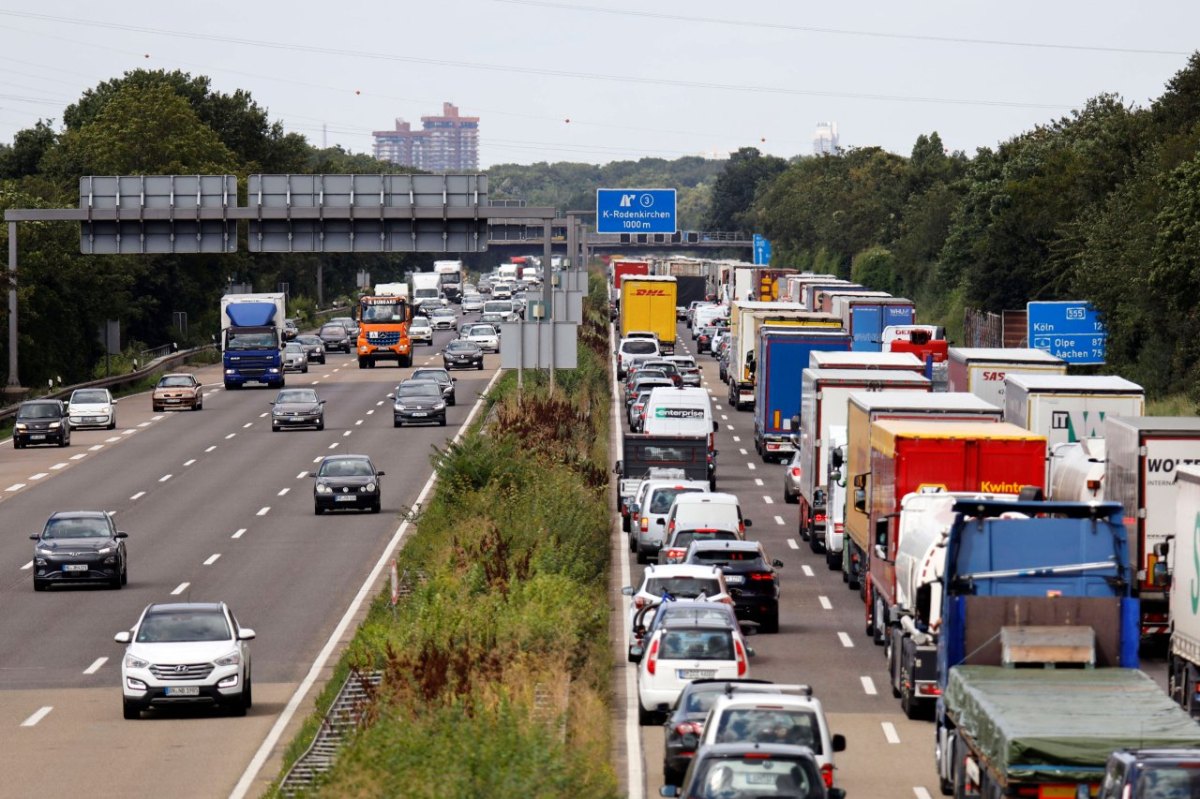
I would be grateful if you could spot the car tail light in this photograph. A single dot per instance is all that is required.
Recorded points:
(671, 527)
(741, 659)
(839, 528)
(762, 576)
(639, 602)
(652, 657)
(795, 471)
(819, 518)
(645, 524)
(741, 528)
(673, 554)
(827, 774)
(689, 728)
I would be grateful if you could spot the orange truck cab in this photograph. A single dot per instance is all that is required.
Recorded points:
(383, 331)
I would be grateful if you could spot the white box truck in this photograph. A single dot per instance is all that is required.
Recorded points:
(981, 370)
(1183, 660)
(1069, 408)
(426, 289)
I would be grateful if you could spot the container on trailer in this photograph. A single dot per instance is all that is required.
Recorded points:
(981, 370)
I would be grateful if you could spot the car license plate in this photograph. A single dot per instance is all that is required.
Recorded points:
(95, 418)
(696, 674)
(345, 498)
(734, 579)
(182, 690)
(37, 437)
(419, 413)
(75, 567)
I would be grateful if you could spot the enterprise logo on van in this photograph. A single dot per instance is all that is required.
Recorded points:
(678, 413)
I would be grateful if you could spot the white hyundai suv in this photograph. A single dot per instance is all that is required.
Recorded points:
(192, 653)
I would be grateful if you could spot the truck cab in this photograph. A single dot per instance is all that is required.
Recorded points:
(1151, 773)
(252, 339)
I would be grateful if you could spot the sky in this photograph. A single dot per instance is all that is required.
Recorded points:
(604, 80)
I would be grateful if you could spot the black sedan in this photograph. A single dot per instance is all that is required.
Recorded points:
(462, 354)
(442, 378)
(297, 407)
(346, 481)
(313, 346)
(418, 401)
(42, 422)
(79, 547)
(335, 337)
(750, 576)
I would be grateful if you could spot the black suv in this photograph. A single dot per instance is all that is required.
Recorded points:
(79, 547)
(41, 422)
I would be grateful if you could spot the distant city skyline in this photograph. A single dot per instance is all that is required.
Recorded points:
(825, 140)
(445, 143)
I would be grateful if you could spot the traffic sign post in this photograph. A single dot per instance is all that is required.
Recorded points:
(762, 249)
(1070, 330)
(636, 211)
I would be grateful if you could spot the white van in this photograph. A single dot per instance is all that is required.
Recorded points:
(706, 511)
(706, 316)
(682, 411)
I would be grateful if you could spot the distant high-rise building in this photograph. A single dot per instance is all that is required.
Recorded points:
(446, 143)
(825, 140)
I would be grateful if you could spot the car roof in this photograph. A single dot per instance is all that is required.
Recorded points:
(41, 402)
(177, 607)
(346, 456)
(741, 747)
(79, 514)
(178, 374)
(659, 482)
(681, 570)
(802, 699)
(694, 623)
(414, 382)
(733, 546)
(710, 498)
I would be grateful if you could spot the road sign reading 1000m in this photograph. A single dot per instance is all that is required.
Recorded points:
(635, 211)
(1069, 330)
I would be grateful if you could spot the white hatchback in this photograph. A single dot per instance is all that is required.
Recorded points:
(685, 650)
(92, 407)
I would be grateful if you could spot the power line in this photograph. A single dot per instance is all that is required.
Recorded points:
(559, 73)
(743, 23)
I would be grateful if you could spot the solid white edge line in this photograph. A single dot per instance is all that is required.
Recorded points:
(38, 715)
(264, 751)
(95, 667)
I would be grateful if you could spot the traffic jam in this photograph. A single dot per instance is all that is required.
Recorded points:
(1000, 524)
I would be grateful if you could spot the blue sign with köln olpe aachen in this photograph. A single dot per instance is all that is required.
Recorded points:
(1069, 330)
(635, 211)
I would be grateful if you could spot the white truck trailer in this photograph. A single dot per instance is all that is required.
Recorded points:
(981, 370)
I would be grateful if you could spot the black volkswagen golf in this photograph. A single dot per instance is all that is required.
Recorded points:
(82, 546)
(346, 481)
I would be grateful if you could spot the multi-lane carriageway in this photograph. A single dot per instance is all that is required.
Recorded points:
(217, 507)
(821, 641)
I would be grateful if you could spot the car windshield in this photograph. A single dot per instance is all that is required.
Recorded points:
(90, 396)
(460, 345)
(333, 330)
(293, 347)
(701, 701)
(775, 725)
(420, 321)
(696, 645)
(1168, 782)
(344, 321)
(296, 395)
(640, 347)
(192, 625)
(683, 587)
(482, 330)
(383, 312)
(683, 538)
(442, 312)
(766, 777)
(720, 556)
(41, 410)
(311, 341)
(76, 528)
(440, 375)
(346, 467)
(182, 381)
(419, 390)
(235, 340)
(645, 373)
(664, 497)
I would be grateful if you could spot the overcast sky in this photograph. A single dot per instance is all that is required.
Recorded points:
(654, 78)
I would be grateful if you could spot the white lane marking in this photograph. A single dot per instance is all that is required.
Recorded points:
(78, 457)
(112, 439)
(95, 448)
(364, 592)
(825, 603)
(128, 432)
(743, 451)
(143, 424)
(283, 491)
(868, 686)
(37, 716)
(316, 381)
(768, 500)
(333, 445)
(263, 511)
(263, 415)
(38, 476)
(758, 481)
(210, 449)
(808, 572)
(212, 559)
(845, 639)
(247, 424)
(729, 426)
(370, 412)
(179, 589)
(231, 435)
(165, 478)
(792, 543)
(241, 531)
(189, 463)
(15, 487)
(27, 566)
(138, 495)
(737, 439)
(338, 369)
(317, 459)
(779, 520)
(889, 732)
(156, 418)
(345, 434)
(725, 418)
(95, 667)
(358, 422)
(751, 466)
(920, 792)
(719, 408)
(378, 403)
(302, 475)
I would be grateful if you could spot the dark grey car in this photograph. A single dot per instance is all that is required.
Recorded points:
(41, 422)
(346, 481)
(297, 407)
(335, 337)
(442, 378)
(462, 354)
(313, 346)
(418, 401)
(79, 547)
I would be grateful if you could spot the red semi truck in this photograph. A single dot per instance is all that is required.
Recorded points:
(623, 266)
(909, 456)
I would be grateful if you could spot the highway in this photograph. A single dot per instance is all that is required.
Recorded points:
(821, 642)
(217, 507)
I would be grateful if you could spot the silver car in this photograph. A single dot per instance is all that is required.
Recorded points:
(485, 335)
(791, 480)
(472, 303)
(420, 329)
(295, 357)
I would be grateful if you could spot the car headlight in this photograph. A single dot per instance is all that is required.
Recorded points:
(323, 489)
(230, 371)
(134, 662)
(437, 406)
(232, 659)
(106, 551)
(370, 488)
(273, 370)
(55, 425)
(19, 426)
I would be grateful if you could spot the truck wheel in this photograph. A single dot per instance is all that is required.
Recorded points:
(406, 361)
(362, 363)
(833, 560)
(891, 655)
(879, 620)
(815, 542)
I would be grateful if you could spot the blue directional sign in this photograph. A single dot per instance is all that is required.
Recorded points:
(635, 211)
(762, 249)
(1069, 330)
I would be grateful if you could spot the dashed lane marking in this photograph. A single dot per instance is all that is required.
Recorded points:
(157, 417)
(27, 566)
(358, 422)
(241, 531)
(95, 448)
(189, 463)
(868, 686)
(210, 449)
(768, 501)
(58, 466)
(212, 559)
(346, 433)
(231, 435)
(179, 589)
(263, 415)
(39, 475)
(283, 492)
(333, 445)
(263, 511)
(38, 715)
(79, 456)
(15, 487)
(729, 426)
(792, 543)
(138, 495)
(165, 478)
(743, 451)
(143, 424)
(370, 412)
(825, 603)
(111, 439)
(95, 667)
(737, 439)
(247, 425)
(779, 520)
(921, 792)
(808, 572)
(751, 466)
(726, 418)
(758, 481)
(302, 475)
(128, 432)
(846, 641)
(889, 732)
(317, 459)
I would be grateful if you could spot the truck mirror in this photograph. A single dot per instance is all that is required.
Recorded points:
(617, 468)
(881, 534)
(1161, 550)
(796, 422)
(716, 426)
(747, 523)
(839, 743)
(837, 459)
(860, 500)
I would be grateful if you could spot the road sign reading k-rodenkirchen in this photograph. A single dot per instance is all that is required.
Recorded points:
(635, 211)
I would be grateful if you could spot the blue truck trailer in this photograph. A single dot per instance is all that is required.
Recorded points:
(1037, 652)
(866, 317)
(251, 339)
(782, 356)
